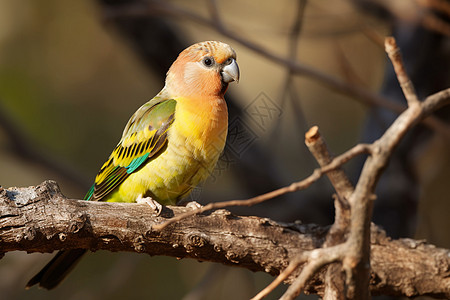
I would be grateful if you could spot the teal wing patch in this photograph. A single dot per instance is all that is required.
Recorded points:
(143, 138)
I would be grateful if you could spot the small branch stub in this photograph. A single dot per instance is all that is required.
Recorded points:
(312, 135)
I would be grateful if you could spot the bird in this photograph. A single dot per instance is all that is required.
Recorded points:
(169, 145)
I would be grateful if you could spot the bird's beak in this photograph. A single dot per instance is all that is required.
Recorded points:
(231, 72)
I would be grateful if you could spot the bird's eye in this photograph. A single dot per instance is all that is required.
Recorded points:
(208, 61)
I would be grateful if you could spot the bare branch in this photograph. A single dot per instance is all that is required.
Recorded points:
(334, 284)
(215, 15)
(289, 90)
(317, 259)
(293, 265)
(356, 258)
(405, 83)
(318, 148)
(440, 5)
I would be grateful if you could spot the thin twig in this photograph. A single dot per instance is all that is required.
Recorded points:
(433, 22)
(289, 90)
(435, 101)
(436, 24)
(296, 186)
(325, 255)
(396, 58)
(215, 15)
(440, 5)
(318, 259)
(293, 265)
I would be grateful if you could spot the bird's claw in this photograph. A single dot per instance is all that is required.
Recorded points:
(193, 205)
(154, 205)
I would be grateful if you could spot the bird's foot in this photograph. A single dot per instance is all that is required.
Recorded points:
(193, 205)
(154, 205)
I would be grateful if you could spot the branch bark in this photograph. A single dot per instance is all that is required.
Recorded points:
(41, 219)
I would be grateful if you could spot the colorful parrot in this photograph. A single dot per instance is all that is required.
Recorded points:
(168, 146)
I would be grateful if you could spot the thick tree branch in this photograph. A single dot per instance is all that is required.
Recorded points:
(41, 219)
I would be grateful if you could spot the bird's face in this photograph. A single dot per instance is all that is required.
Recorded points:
(203, 69)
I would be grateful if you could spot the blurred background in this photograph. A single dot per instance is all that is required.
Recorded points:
(73, 72)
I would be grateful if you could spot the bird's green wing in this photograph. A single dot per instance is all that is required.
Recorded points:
(143, 138)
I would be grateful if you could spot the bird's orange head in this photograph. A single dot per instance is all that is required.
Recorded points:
(203, 70)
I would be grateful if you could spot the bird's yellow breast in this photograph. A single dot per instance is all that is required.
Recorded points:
(195, 141)
(202, 125)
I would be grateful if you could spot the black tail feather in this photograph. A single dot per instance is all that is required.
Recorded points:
(57, 269)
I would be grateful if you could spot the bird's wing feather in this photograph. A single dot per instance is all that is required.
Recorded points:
(143, 137)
